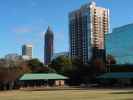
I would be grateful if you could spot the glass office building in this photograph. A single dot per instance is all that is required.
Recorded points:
(119, 43)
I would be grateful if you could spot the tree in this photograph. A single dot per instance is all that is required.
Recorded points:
(98, 65)
(38, 67)
(81, 73)
(10, 71)
(35, 65)
(110, 59)
(61, 65)
(73, 68)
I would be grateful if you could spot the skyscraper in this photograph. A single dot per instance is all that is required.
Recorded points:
(27, 51)
(48, 48)
(87, 27)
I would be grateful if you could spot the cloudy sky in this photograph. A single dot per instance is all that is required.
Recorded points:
(25, 21)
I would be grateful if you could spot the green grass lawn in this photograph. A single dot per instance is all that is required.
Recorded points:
(98, 94)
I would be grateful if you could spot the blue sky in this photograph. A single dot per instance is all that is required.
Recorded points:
(25, 21)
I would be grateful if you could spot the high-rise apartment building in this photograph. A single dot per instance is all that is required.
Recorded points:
(87, 28)
(27, 51)
(48, 48)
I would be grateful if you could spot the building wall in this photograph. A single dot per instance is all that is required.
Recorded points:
(59, 83)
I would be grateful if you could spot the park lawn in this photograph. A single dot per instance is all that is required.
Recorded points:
(95, 94)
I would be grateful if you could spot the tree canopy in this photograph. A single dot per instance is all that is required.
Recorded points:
(110, 59)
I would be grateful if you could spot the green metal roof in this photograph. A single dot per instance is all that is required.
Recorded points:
(48, 76)
(117, 75)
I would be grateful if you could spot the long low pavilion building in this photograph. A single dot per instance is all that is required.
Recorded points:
(119, 78)
(42, 79)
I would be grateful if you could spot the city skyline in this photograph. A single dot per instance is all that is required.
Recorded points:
(27, 24)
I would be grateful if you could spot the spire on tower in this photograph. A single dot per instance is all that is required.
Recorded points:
(49, 31)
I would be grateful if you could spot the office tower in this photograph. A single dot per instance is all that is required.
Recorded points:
(27, 51)
(119, 44)
(87, 28)
(48, 48)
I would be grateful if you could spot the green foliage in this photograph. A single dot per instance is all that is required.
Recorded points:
(12, 70)
(38, 67)
(34, 64)
(110, 59)
(74, 69)
(99, 65)
(61, 65)
(81, 73)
